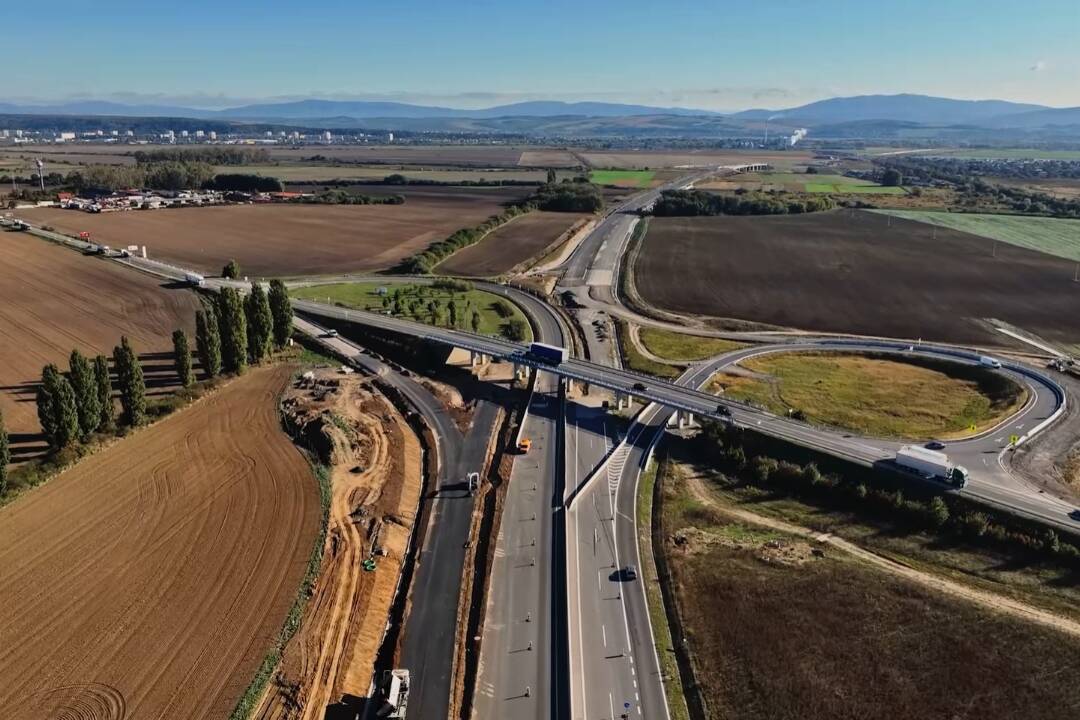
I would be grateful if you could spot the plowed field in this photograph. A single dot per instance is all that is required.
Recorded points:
(150, 580)
(53, 300)
(856, 272)
(513, 243)
(286, 239)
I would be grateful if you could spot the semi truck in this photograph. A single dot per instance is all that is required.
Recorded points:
(931, 464)
(550, 354)
(194, 279)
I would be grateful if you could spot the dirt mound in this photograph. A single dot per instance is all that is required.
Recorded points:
(151, 579)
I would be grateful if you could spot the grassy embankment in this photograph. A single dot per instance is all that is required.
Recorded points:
(681, 347)
(875, 395)
(634, 360)
(365, 296)
(817, 183)
(1054, 236)
(809, 632)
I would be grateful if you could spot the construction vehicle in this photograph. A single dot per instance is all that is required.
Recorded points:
(393, 695)
(931, 464)
(524, 445)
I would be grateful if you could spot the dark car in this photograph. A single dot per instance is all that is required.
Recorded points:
(723, 411)
(640, 387)
(935, 445)
(630, 573)
(1075, 514)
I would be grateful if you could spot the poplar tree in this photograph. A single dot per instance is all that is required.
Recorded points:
(103, 385)
(281, 309)
(5, 455)
(183, 357)
(233, 327)
(132, 386)
(57, 410)
(260, 324)
(208, 342)
(84, 385)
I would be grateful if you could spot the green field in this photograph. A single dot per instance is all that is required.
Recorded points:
(622, 178)
(818, 183)
(365, 296)
(1008, 154)
(1054, 236)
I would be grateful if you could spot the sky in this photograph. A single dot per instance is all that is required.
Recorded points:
(709, 54)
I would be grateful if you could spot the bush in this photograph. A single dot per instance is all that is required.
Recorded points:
(244, 182)
(569, 197)
(699, 203)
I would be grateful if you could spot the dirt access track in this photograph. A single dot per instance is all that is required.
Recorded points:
(53, 300)
(287, 239)
(856, 272)
(513, 243)
(151, 579)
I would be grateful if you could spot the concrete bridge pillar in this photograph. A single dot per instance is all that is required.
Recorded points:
(473, 358)
(570, 385)
(623, 401)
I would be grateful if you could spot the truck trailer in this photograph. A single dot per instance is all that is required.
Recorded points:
(931, 464)
(550, 354)
(194, 279)
(393, 695)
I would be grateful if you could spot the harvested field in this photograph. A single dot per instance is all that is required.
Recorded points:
(522, 238)
(855, 272)
(455, 155)
(53, 300)
(548, 158)
(290, 173)
(653, 159)
(151, 580)
(809, 632)
(288, 239)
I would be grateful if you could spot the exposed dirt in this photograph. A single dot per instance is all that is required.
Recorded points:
(376, 480)
(151, 579)
(285, 239)
(53, 300)
(856, 272)
(522, 238)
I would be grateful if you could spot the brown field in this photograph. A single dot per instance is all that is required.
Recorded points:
(53, 300)
(150, 580)
(269, 240)
(321, 172)
(854, 272)
(806, 632)
(549, 157)
(694, 158)
(513, 243)
(456, 155)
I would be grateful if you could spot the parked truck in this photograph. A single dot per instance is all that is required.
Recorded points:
(194, 279)
(393, 695)
(931, 464)
(550, 354)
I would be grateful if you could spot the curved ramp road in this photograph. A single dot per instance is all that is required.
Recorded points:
(150, 580)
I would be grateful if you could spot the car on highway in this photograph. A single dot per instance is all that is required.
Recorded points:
(640, 387)
(630, 573)
(330, 334)
(935, 445)
(722, 410)
(1075, 514)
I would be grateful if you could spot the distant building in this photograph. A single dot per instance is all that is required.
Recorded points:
(183, 133)
(130, 133)
(199, 134)
(327, 136)
(390, 137)
(213, 135)
(65, 136)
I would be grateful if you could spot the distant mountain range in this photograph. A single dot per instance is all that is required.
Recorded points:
(880, 115)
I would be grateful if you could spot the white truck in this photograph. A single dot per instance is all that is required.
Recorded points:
(394, 695)
(194, 279)
(931, 464)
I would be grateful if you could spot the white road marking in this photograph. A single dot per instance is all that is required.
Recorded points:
(603, 631)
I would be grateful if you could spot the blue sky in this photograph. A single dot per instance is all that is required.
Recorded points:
(718, 55)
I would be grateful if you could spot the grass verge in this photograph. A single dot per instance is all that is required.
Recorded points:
(669, 666)
(250, 699)
(877, 394)
(679, 346)
(634, 360)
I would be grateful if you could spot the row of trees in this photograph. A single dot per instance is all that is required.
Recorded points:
(568, 196)
(73, 406)
(233, 331)
(697, 202)
(167, 175)
(213, 154)
(340, 197)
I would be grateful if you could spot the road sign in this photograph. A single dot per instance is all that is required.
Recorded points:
(1013, 439)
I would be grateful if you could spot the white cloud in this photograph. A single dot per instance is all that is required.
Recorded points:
(1039, 66)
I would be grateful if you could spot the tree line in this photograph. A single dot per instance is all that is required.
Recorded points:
(213, 154)
(231, 332)
(674, 203)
